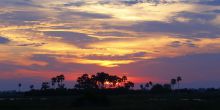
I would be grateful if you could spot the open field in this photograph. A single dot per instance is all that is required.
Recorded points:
(91, 101)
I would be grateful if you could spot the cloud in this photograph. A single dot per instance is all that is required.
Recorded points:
(32, 44)
(77, 3)
(19, 3)
(209, 2)
(133, 56)
(216, 21)
(75, 38)
(182, 29)
(81, 15)
(4, 40)
(22, 16)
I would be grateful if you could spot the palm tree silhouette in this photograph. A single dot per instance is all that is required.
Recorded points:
(147, 85)
(150, 83)
(45, 86)
(31, 87)
(142, 87)
(53, 82)
(178, 81)
(19, 87)
(60, 80)
(173, 82)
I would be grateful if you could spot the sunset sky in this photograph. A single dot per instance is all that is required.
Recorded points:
(148, 40)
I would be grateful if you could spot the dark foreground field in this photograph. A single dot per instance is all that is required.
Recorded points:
(100, 101)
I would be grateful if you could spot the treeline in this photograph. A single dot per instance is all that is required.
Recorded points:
(100, 80)
(103, 81)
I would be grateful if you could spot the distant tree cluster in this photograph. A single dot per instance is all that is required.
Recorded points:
(100, 80)
(175, 81)
(103, 80)
(162, 87)
(146, 86)
(56, 83)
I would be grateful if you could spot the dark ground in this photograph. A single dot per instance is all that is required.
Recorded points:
(100, 101)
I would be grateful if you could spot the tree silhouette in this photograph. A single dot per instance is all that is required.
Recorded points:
(101, 78)
(150, 83)
(142, 87)
(146, 86)
(179, 79)
(60, 80)
(86, 82)
(19, 87)
(158, 88)
(129, 85)
(31, 87)
(173, 82)
(45, 86)
(167, 86)
(114, 81)
(53, 82)
(124, 78)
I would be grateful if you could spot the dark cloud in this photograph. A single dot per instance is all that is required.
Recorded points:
(55, 65)
(134, 56)
(209, 2)
(7, 67)
(182, 29)
(154, 2)
(213, 12)
(177, 44)
(18, 3)
(113, 33)
(190, 43)
(131, 2)
(4, 40)
(73, 15)
(23, 16)
(32, 44)
(78, 39)
(78, 3)
(195, 17)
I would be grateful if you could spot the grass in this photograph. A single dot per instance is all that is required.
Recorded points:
(204, 101)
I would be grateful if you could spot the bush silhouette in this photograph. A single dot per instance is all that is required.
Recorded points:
(158, 88)
(91, 99)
